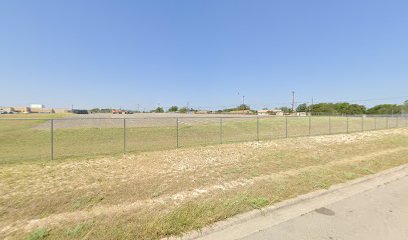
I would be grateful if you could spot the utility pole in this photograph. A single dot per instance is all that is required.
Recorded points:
(243, 98)
(293, 101)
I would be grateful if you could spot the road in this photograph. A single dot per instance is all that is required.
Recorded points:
(380, 213)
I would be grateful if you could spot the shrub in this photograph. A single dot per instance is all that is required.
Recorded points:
(173, 109)
(183, 110)
(159, 110)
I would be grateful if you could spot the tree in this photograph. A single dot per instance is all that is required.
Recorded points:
(95, 110)
(302, 108)
(339, 108)
(385, 109)
(183, 110)
(159, 110)
(286, 109)
(405, 107)
(354, 109)
(244, 107)
(342, 107)
(173, 109)
(323, 108)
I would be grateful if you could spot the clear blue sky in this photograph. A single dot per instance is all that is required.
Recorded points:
(98, 53)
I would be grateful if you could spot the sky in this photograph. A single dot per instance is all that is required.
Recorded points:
(207, 54)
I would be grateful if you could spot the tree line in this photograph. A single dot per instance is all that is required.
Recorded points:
(348, 108)
(174, 109)
(241, 107)
(328, 108)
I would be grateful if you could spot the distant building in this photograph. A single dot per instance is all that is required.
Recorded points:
(42, 110)
(246, 112)
(22, 109)
(120, 111)
(279, 113)
(61, 110)
(37, 106)
(7, 109)
(276, 112)
(301, 114)
(34, 108)
(264, 112)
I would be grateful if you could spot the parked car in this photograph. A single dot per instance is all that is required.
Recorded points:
(3, 112)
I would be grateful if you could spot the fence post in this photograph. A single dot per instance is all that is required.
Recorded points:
(177, 135)
(124, 135)
(220, 130)
(348, 125)
(257, 128)
(286, 125)
(52, 139)
(310, 125)
(330, 130)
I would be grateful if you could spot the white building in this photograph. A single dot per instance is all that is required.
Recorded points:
(37, 106)
(276, 112)
(264, 112)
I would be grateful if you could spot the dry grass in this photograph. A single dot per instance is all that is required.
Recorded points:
(156, 194)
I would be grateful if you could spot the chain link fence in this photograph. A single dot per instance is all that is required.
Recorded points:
(39, 139)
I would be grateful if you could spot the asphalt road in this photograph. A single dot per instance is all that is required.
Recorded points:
(380, 213)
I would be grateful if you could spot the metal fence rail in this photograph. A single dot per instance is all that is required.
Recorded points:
(30, 139)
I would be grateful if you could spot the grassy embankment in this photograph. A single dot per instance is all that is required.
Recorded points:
(156, 194)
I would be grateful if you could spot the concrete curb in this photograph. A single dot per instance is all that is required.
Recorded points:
(256, 220)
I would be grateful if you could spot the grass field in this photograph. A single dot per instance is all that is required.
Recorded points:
(30, 139)
(155, 194)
